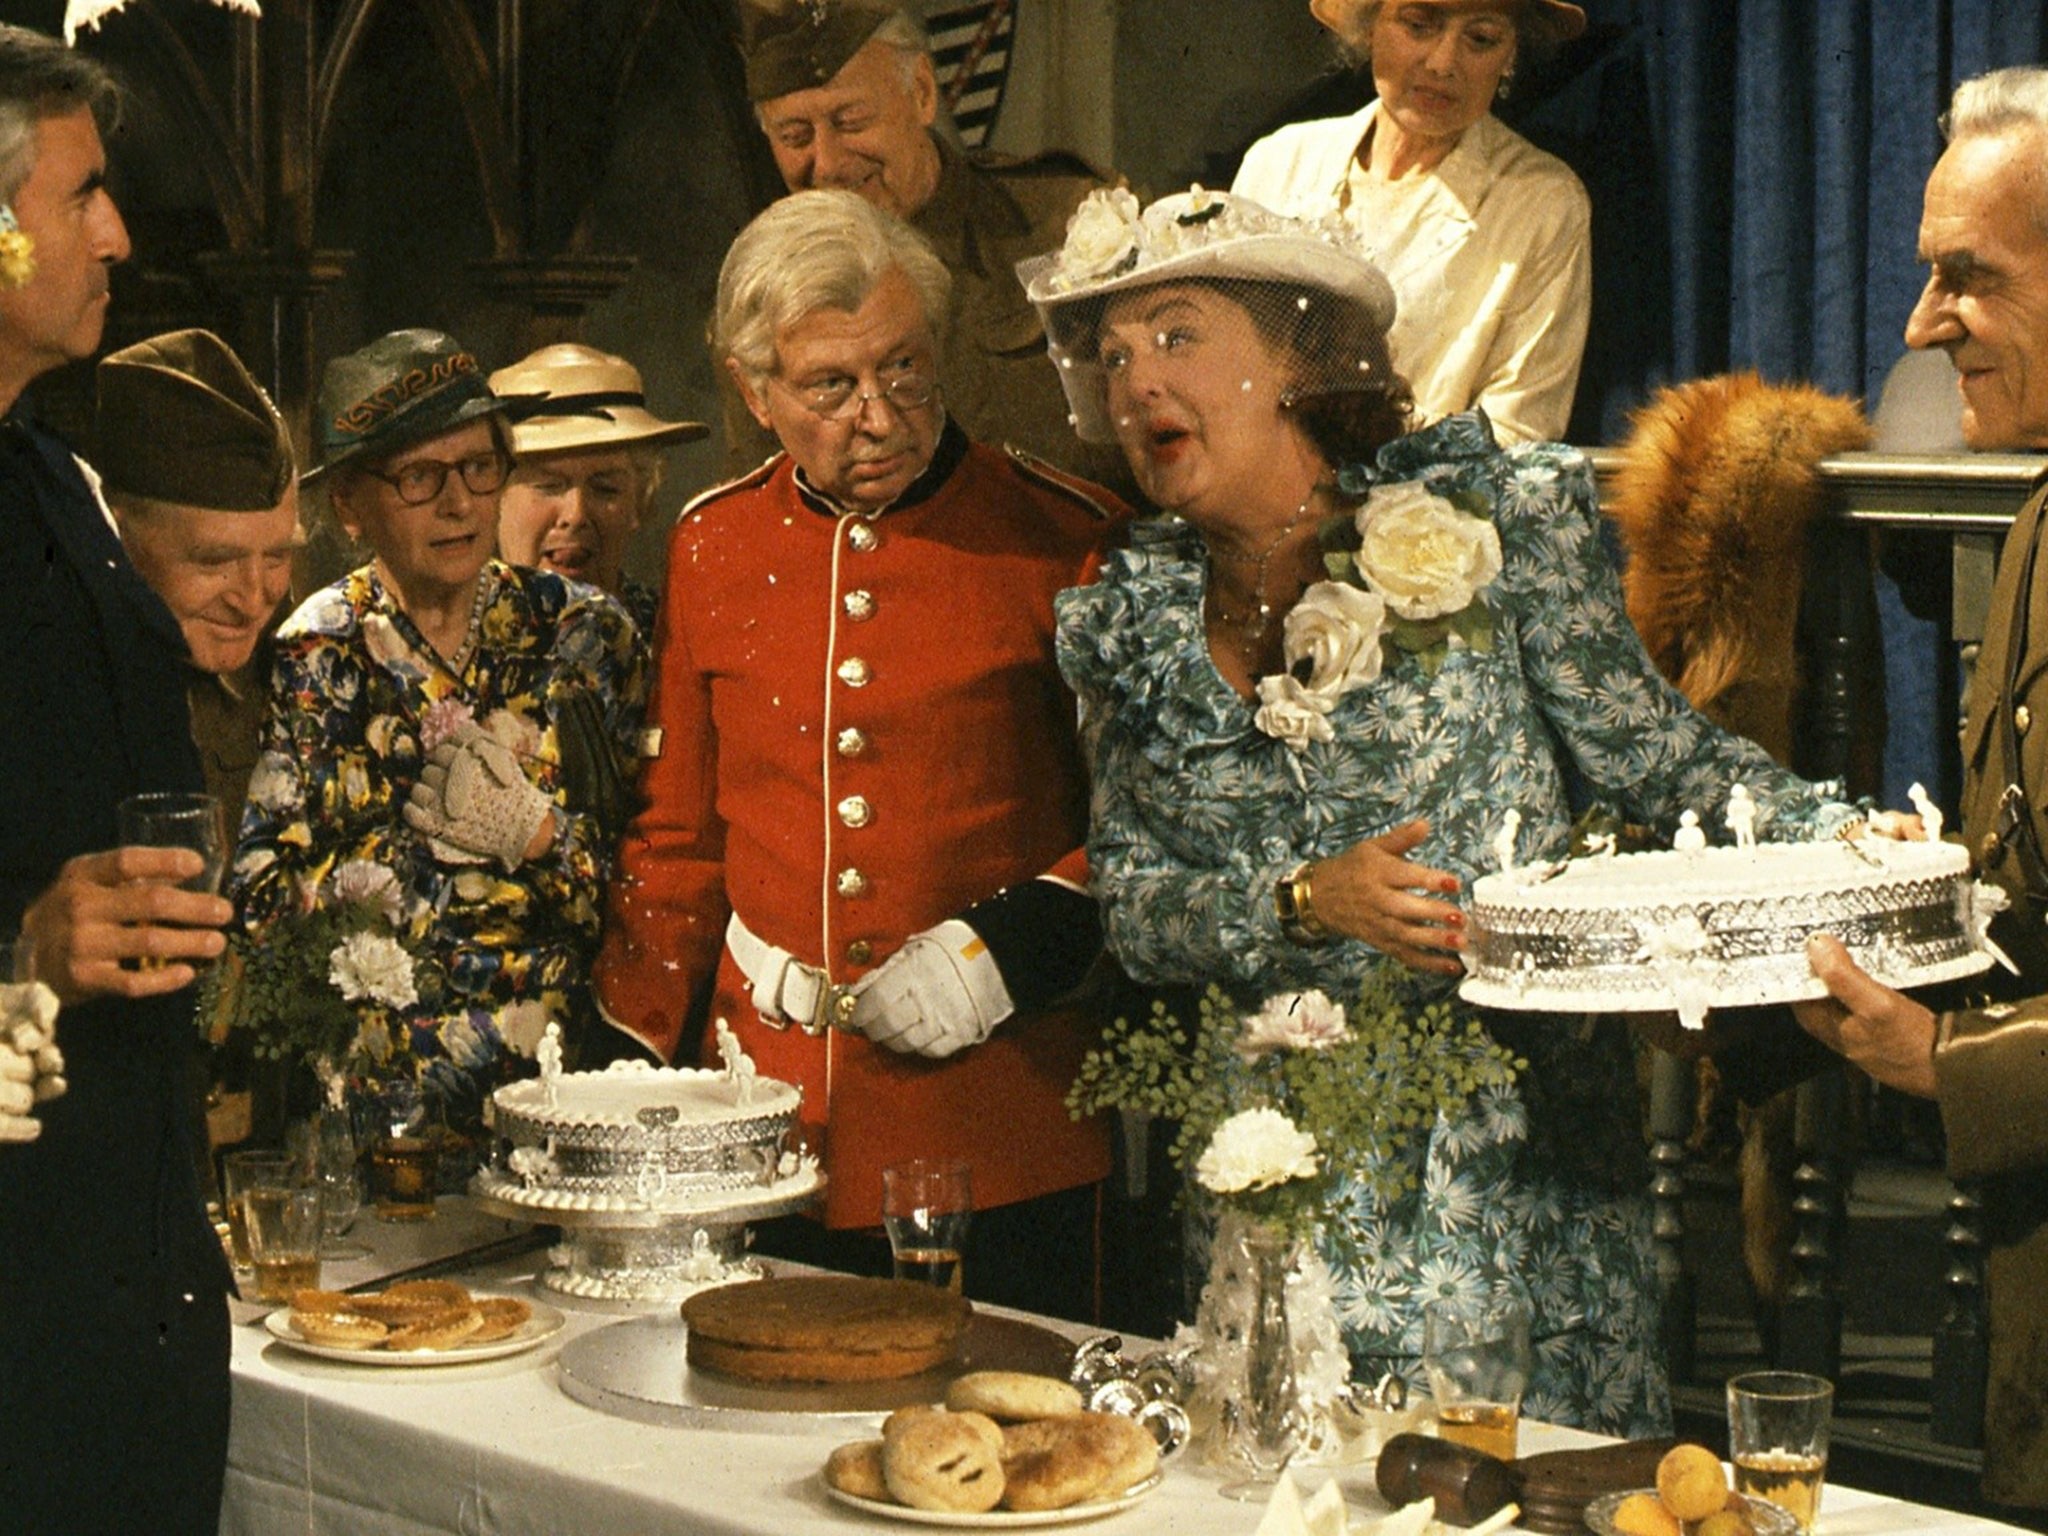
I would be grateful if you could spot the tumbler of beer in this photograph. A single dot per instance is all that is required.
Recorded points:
(1778, 1438)
(1476, 1355)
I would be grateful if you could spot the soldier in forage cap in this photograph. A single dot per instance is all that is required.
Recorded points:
(846, 93)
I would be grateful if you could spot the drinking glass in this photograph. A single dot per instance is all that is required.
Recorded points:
(326, 1145)
(285, 1224)
(403, 1159)
(926, 1204)
(1476, 1355)
(240, 1173)
(1778, 1438)
(179, 821)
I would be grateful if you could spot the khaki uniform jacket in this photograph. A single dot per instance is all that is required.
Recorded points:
(988, 214)
(1992, 1063)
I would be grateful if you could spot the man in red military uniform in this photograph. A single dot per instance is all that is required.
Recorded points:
(866, 808)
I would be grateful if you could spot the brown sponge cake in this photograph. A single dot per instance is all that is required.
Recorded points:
(823, 1328)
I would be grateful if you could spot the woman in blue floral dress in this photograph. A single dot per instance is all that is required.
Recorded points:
(1311, 695)
(436, 714)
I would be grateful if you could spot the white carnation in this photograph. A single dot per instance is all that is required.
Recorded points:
(1101, 235)
(1336, 627)
(362, 883)
(1291, 713)
(1295, 1021)
(1423, 555)
(368, 966)
(1254, 1150)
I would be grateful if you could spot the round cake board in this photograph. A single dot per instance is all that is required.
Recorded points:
(1536, 994)
(635, 1370)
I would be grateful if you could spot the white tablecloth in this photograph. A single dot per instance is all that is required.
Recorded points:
(496, 1449)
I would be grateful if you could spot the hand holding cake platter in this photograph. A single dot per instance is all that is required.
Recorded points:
(1696, 927)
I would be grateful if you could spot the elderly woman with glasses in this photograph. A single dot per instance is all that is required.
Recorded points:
(437, 718)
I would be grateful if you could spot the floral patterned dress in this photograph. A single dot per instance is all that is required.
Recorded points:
(354, 687)
(1196, 814)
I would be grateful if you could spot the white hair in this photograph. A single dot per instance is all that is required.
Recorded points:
(822, 249)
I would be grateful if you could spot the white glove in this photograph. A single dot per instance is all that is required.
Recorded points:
(940, 993)
(31, 1067)
(473, 801)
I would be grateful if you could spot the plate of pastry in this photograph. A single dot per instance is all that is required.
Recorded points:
(413, 1323)
(1008, 1450)
(999, 1519)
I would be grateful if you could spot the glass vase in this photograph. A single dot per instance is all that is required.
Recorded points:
(1270, 1417)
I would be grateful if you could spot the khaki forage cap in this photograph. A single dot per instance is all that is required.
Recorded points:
(181, 421)
(797, 45)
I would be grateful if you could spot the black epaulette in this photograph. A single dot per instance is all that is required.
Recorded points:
(1101, 504)
(747, 482)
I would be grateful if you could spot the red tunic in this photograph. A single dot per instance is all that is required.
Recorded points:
(863, 733)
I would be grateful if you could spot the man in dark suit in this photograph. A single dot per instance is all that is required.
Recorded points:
(113, 1321)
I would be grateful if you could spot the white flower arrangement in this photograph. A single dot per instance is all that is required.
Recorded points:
(1278, 1108)
(371, 967)
(1294, 1021)
(1407, 574)
(1256, 1149)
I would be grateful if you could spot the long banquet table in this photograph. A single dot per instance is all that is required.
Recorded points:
(333, 1449)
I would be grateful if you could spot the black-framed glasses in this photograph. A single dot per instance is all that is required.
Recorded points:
(419, 481)
(841, 399)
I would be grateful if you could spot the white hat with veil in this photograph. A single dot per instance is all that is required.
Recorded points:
(1309, 280)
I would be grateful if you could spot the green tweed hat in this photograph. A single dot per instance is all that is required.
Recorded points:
(181, 421)
(401, 388)
(797, 45)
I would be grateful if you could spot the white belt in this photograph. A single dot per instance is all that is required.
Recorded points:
(786, 990)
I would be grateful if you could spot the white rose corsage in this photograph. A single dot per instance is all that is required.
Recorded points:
(1407, 571)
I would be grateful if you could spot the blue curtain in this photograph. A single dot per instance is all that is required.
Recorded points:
(1756, 169)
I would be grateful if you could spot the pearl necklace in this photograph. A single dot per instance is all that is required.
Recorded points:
(459, 662)
(1254, 623)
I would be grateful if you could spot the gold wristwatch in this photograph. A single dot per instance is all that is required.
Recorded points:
(1294, 906)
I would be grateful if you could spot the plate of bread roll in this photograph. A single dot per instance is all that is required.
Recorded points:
(1006, 1449)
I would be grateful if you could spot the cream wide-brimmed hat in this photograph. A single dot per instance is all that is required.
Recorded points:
(576, 397)
(1114, 247)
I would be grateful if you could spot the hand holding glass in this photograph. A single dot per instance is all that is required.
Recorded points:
(179, 821)
(925, 1208)
(1476, 1355)
(1778, 1438)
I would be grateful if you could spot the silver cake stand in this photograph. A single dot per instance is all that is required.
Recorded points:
(652, 1255)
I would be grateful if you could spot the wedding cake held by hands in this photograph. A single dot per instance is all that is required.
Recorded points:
(1691, 929)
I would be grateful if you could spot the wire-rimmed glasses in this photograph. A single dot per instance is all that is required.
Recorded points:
(842, 398)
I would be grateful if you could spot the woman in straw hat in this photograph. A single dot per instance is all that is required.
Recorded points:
(587, 460)
(1486, 238)
(1295, 774)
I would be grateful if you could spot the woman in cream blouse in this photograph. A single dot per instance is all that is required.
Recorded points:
(1484, 237)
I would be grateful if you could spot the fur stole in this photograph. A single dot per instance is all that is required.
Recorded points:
(1712, 502)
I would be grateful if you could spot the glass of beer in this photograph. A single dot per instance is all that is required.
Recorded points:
(241, 1172)
(1476, 1355)
(926, 1204)
(285, 1224)
(404, 1161)
(1778, 1438)
(179, 821)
